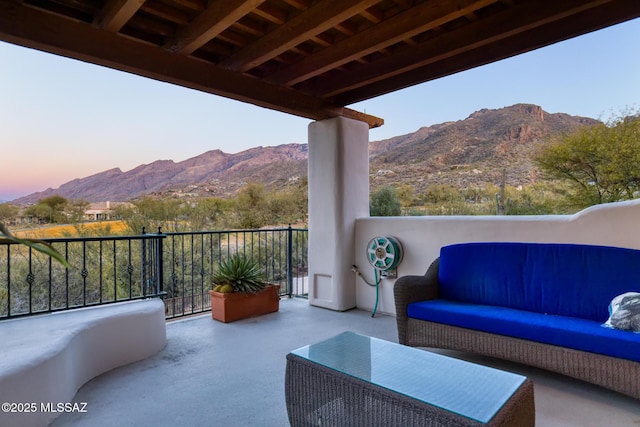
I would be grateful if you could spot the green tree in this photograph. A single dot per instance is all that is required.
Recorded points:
(535, 199)
(279, 207)
(40, 212)
(255, 206)
(601, 163)
(75, 210)
(477, 195)
(385, 202)
(8, 212)
(50, 209)
(300, 201)
(441, 193)
(288, 206)
(130, 216)
(405, 194)
(57, 205)
(250, 206)
(204, 214)
(152, 213)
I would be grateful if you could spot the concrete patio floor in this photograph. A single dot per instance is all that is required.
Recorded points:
(215, 374)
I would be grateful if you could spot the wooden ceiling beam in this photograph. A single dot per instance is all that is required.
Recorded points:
(491, 29)
(40, 30)
(165, 12)
(372, 15)
(320, 17)
(402, 26)
(250, 27)
(535, 37)
(321, 40)
(271, 14)
(116, 13)
(232, 38)
(299, 4)
(192, 5)
(310, 59)
(217, 17)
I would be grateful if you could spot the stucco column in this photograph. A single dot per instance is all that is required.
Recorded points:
(338, 194)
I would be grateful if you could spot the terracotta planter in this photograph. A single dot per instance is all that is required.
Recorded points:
(234, 306)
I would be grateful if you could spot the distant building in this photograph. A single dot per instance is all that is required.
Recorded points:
(103, 211)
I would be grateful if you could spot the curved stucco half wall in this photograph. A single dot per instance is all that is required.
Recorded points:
(46, 359)
(613, 224)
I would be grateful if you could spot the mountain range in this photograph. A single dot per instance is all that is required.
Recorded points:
(470, 152)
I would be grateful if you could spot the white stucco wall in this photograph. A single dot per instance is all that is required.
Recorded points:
(615, 224)
(338, 195)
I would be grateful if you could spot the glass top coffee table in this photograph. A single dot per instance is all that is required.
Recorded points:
(353, 379)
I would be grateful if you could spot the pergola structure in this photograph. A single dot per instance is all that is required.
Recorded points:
(311, 58)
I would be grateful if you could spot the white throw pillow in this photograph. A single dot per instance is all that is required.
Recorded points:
(624, 312)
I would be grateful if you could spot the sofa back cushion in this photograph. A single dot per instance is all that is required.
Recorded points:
(553, 278)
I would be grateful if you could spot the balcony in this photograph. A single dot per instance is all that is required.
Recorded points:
(233, 374)
(212, 373)
(245, 384)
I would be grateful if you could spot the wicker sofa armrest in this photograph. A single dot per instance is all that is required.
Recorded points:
(409, 289)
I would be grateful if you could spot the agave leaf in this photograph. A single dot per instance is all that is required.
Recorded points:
(242, 273)
(37, 245)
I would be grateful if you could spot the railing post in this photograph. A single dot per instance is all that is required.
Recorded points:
(143, 264)
(8, 280)
(289, 261)
(159, 265)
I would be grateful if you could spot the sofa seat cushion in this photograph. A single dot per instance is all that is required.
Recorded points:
(570, 332)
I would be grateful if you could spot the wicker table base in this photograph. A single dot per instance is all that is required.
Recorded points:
(321, 395)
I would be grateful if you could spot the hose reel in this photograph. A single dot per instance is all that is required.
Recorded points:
(384, 253)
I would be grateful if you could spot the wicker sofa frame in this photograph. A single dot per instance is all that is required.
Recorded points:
(616, 374)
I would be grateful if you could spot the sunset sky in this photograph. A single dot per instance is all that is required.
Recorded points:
(63, 119)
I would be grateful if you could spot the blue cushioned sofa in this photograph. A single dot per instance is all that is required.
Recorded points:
(542, 304)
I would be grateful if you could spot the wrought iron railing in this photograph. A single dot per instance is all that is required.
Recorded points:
(175, 266)
(191, 258)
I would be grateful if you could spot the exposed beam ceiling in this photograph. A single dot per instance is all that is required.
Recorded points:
(311, 58)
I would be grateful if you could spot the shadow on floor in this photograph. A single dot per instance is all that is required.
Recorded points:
(215, 374)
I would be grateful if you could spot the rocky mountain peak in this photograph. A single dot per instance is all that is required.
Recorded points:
(469, 152)
(473, 151)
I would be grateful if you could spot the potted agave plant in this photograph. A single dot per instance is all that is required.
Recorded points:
(241, 291)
